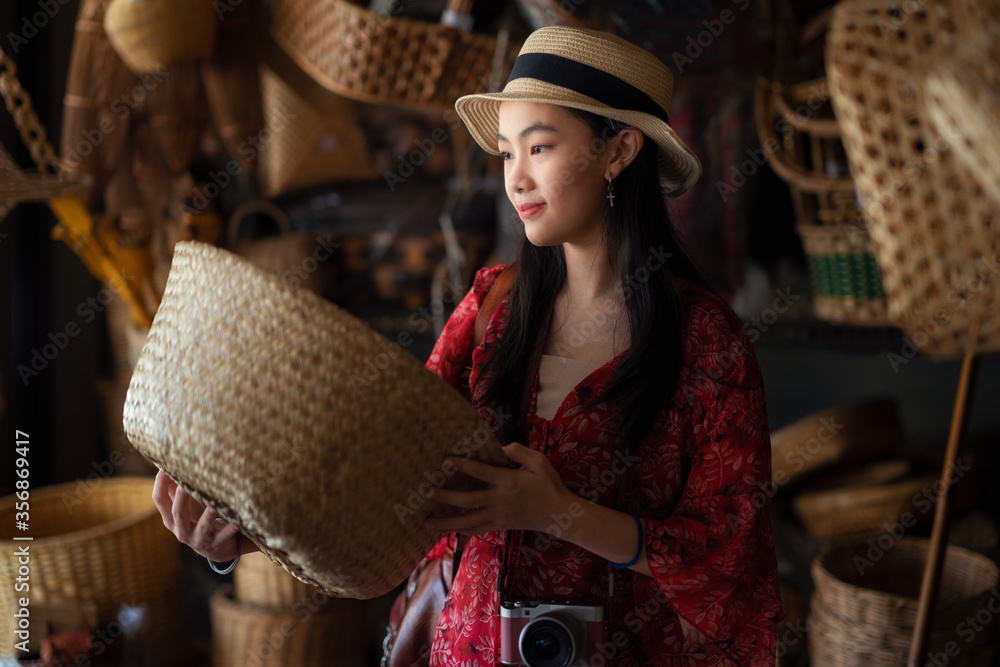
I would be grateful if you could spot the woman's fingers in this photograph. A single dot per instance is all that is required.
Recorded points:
(163, 498)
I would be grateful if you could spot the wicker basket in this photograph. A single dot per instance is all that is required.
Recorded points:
(964, 93)
(933, 226)
(844, 275)
(297, 422)
(152, 35)
(855, 512)
(386, 60)
(312, 136)
(232, 81)
(99, 540)
(258, 581)
(865, 604)
(308, 635)
(840, 435)
(96, 79)
(810, 158)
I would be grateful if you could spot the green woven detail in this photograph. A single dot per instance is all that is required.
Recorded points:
(845, 276)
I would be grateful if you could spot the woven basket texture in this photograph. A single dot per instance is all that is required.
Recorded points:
(314, 434)
(385, 59)
(96, 78)
(155, 34)
(306, 636)
(259, 581)
(844, 275)
(313, 136)
(964, 92)
(934, 227)
(103, 541)
(840, 435)
(865, 604)
(856, 512)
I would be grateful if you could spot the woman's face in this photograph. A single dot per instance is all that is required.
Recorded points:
(554, 170)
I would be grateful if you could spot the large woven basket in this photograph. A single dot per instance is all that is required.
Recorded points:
(865, 604)
(933, 226)
(315, 435)
(99, 540)
(308, 635)
(386, 59)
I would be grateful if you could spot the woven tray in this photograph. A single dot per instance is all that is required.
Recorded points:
(297, 422)
(859, 511)
(933, 226)
(840, 435)
(100, 541)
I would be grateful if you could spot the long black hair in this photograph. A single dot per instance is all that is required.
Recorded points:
(637, 225)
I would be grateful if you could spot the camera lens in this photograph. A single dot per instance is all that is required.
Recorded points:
(547, 643)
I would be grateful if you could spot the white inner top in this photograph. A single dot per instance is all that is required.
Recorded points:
(557, 376)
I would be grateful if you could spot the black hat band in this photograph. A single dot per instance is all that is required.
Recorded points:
(586, 80)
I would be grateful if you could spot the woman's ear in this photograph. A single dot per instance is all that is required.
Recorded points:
(625, 148)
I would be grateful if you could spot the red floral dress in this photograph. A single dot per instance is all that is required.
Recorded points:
(701, 481)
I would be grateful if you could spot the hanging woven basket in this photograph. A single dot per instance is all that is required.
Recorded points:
(152, 35)
(387, 59)
(932, 223)
(314, 434)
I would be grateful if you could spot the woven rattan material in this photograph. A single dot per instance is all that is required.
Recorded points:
(963, 93)
(308, 635)
(314, 434)
(858, 512)
(259, 581)
(843, 273)
(99, 540)
(839, 435)
(679, 168)
(865, 603)
(934, 228)
(381, 58)
(156, 34)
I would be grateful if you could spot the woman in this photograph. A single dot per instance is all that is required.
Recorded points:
(642, 433)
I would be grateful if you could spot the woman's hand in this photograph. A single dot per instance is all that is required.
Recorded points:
(527, 498)
(193, 523)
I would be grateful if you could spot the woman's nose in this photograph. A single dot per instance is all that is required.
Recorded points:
(518, 179)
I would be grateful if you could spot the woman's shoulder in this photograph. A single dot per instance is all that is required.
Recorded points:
(714, 341)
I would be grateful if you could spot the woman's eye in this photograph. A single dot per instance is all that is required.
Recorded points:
(504, 155)
(538, 149)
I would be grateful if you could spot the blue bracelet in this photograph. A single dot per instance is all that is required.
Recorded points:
(638, 550)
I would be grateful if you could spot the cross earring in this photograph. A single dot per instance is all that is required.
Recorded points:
(611, 195)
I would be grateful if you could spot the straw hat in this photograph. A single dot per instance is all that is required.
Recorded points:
(597, 72)
(318, 437)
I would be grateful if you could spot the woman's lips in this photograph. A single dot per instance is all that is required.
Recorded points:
(530, 211)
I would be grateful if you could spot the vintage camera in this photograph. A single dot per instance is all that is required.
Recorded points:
(549, 635)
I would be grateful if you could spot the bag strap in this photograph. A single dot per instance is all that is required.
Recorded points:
(492, 301)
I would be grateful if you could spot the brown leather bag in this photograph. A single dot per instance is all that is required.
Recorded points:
(415, 613)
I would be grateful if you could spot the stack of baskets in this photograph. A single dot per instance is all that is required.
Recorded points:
(865, 605)
(100, 542)
(269, 618)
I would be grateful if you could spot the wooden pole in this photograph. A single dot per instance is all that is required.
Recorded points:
(939, 534)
